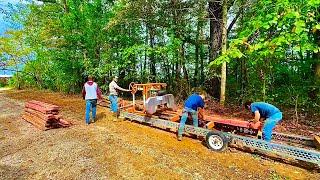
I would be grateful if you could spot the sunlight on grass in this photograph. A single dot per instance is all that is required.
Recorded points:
(5, 88)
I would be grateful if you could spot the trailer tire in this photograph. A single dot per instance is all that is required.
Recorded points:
(216, 141)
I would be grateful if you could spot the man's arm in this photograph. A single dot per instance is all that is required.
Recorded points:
(99, 94)
(201, 103)
(120, 88)
(256, 116)
(201, 114)
(83, 92)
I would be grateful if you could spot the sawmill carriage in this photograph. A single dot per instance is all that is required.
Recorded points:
(157, 103)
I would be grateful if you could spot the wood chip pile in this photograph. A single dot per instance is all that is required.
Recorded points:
(43, 116)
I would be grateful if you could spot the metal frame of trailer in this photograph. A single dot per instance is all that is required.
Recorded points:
(217, 138)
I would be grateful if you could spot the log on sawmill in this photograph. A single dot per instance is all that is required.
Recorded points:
(105, 102)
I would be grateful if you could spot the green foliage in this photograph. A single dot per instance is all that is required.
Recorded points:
(14, 52)
(275, 51)
(272, 55)
(2, 84)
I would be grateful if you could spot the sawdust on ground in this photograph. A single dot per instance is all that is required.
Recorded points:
(115, 150)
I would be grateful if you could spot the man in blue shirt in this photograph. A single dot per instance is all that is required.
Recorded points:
(191, 106)
(264, 110)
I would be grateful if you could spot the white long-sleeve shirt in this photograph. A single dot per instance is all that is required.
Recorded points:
(113, 86)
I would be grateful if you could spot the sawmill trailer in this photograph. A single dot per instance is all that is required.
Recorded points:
(158, 109)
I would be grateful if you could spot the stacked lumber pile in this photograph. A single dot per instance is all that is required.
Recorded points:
(43, 116)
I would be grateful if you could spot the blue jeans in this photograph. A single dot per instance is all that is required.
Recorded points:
(114, 103)
(91, 104)
(184, 117)
(269, 124)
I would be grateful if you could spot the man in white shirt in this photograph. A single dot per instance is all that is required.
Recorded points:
(113, 95)
(91, 92)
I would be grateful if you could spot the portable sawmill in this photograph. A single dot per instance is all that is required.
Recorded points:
(158, 109)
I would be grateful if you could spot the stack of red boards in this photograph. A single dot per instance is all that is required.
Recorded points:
(43, 116)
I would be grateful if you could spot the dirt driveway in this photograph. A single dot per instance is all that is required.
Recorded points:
(115, 150)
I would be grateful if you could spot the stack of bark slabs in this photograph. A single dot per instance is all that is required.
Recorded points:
(43, 116)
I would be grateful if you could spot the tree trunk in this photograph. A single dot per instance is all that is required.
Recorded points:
(17, 73)
(65, 6)
(202, 78)
(145, 57)
(317, 70)
(178, 70)
(152, 57)
(316, 91)
(243, 78)
(183, 63)
(202, 56)
(215, 15)
(196, 53)
(196, 67)
(317, 55)
(176, 19)
(166, 68)
(224, 49)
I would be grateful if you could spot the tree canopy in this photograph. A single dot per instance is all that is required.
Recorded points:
(271, 47)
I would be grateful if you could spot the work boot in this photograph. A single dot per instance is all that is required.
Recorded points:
(259, 135)
(179, 138)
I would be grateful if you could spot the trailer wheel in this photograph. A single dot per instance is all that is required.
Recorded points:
(216, 141)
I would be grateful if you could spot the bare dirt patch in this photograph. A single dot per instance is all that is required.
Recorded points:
(115, 150)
